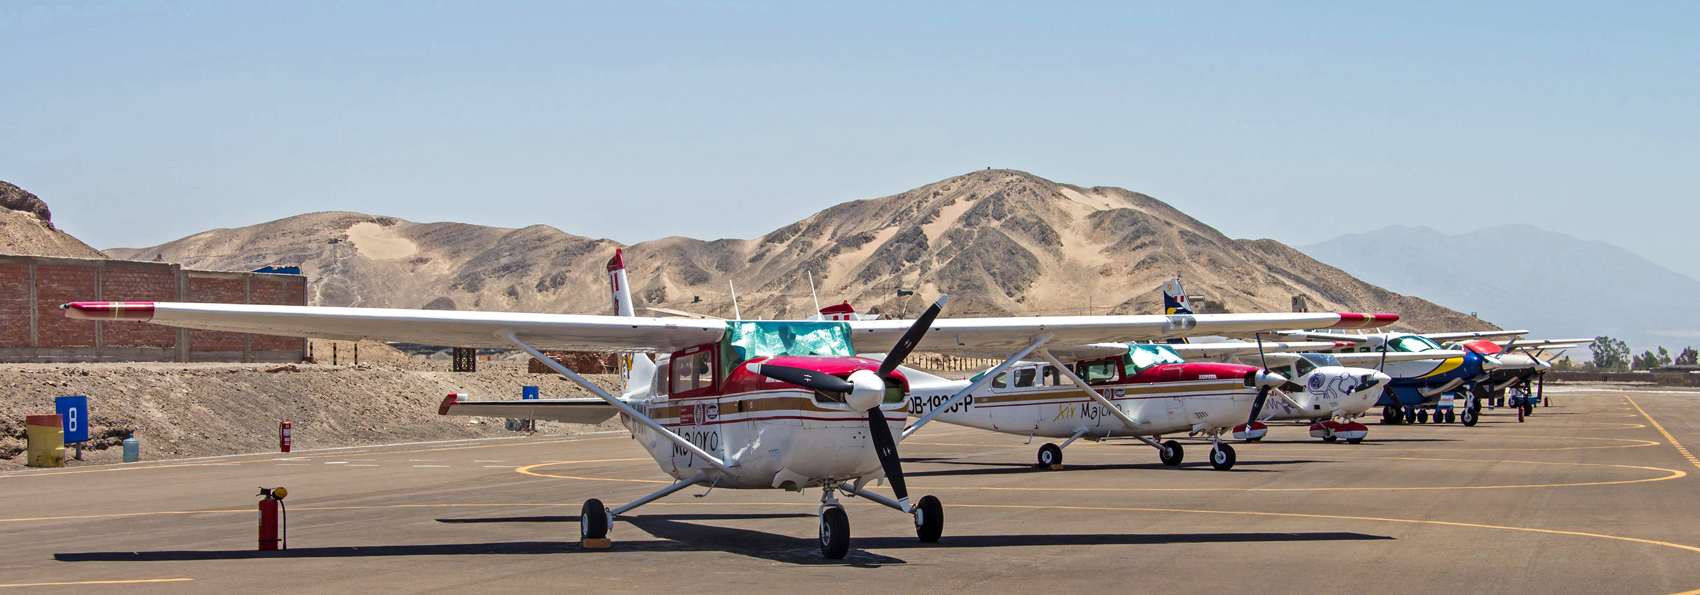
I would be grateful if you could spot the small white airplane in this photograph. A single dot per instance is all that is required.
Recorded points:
(735, 404)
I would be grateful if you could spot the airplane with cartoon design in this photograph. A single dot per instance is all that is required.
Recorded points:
(754, 404)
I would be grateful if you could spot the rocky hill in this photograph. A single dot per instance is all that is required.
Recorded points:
(1000, 242)
(26, 227)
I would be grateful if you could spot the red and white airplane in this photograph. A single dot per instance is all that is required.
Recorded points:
(730, 404)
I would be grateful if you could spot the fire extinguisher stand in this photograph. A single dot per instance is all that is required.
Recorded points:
(274, 520)
(283, 437)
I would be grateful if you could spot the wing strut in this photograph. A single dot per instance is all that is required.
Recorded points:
(1114, 410)
(508, 335)
(973, 386)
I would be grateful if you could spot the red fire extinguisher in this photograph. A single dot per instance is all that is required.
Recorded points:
(283, 437)
(274, 529)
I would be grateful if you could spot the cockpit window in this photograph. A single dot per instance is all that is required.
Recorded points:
(1140, 357)
(1301, 367)
(1321, 359)
(749, 339)
(1413, 344)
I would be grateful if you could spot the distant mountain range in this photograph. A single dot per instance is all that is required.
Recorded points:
(1000, 242)
(1521, 276)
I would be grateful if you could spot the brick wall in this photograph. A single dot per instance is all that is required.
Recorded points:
(15, 305)
(34, 328)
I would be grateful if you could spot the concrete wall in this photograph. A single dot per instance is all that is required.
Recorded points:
(34, 329)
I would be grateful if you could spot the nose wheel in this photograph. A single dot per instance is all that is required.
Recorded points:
(834, 533)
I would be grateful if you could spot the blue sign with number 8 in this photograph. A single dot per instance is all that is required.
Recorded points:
(74, 416)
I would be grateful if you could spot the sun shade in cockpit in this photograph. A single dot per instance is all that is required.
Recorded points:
(747, 339)
(1140, 357)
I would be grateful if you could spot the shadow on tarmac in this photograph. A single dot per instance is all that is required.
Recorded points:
(676, 535)
(1016, 468)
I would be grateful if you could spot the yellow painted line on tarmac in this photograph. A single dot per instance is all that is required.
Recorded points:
(527, 470)
(1661, 429)
(118, 582)
(288, 457)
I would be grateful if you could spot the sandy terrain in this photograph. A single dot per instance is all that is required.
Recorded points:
(194, 410)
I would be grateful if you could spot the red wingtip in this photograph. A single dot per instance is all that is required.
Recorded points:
(137, 311)
(1354, 320)
(448, 401)
(616, 263)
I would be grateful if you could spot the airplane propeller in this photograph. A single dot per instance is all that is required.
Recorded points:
(865, 390)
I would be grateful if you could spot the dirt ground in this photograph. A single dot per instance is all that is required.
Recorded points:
(182, 410)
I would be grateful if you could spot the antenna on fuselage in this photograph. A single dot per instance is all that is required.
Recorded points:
(735, 314)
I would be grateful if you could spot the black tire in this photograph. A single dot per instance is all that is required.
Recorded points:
(1451, 416)
(593, 520)
(1049, 454)
(1410, 416)
(1354, 440)
(1422, 416)
(1171, 454)
(834, 533)
(1222, 457)
(1390, 415)
(1470, 417)
(1528, 409)
(929, 519)
(1330, 438)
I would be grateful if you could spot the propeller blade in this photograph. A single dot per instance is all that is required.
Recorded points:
(805, 378)
(1261, 358)
(886, 448)
(1257, 405)
(911, 338)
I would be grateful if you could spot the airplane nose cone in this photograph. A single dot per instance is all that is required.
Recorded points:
(1543, 365)
(1262, 378)
(869, 390)
(1491, 363)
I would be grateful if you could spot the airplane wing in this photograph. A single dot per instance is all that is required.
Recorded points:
(1472, 335)
(992, 337)
(1373, 359)
(567, 332)
(590, 411)
(1544, 343)
(1242, 348)
(999, 337)
(1290, 335)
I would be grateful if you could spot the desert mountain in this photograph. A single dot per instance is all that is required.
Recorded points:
(26, 227)
(1528, 277)
(1000, 242)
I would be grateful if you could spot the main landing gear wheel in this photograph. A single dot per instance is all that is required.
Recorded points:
(1390, 415)
(1171, 453)
(1222, 457)
(1451, 416)
(1049, 454)
(593, 520)
(1528, 409)
(1422, 416)
(1470, 417)
(1354, 440)
(1410, 416)
(1330, 438)
(835, 533)
(929, 519)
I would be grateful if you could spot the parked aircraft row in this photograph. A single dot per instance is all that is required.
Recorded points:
(824, 403)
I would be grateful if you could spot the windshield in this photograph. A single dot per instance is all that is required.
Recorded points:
(1322, 359)
(746, 340)
(1140, 357)
(1413, 344)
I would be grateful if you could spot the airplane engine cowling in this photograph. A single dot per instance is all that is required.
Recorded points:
(1257, 430)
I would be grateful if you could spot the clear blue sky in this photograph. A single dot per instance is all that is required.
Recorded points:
(141, 123)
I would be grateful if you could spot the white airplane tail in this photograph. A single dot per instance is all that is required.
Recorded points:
(1174, 301)
(636, 369)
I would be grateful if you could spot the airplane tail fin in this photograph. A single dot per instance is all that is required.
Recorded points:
(636, 369)
(1174, 301)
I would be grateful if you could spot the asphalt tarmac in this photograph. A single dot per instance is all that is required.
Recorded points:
(1594, 494)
